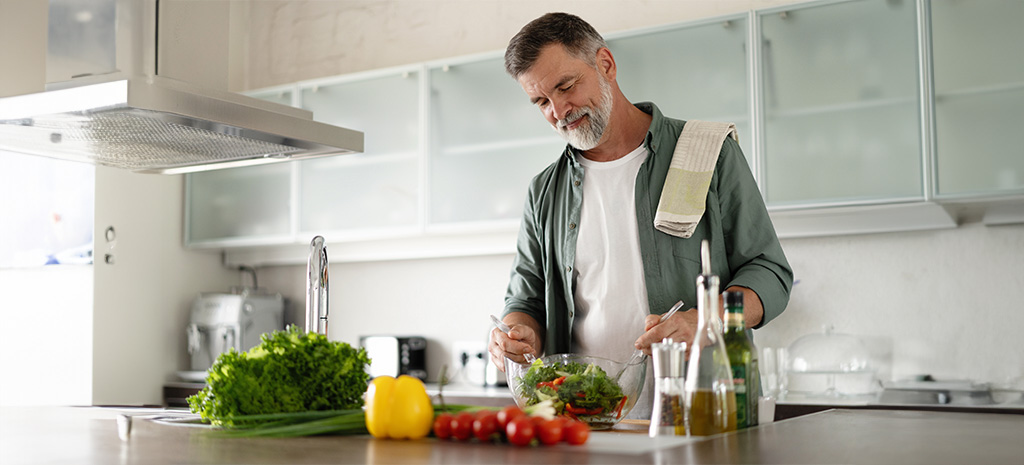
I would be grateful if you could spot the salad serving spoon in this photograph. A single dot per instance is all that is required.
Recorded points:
(638, 354)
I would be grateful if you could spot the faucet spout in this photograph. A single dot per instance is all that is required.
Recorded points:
(317, 286)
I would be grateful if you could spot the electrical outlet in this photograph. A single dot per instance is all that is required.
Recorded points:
(469, 362)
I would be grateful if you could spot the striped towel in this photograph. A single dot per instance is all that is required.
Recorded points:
(689, 175)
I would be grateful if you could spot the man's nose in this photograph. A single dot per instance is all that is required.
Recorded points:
(559, 109)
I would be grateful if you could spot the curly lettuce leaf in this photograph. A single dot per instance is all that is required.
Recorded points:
(289, 371)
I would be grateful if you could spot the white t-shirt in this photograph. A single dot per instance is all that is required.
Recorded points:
(610, 295)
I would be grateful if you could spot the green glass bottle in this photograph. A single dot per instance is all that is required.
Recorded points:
(743, 360)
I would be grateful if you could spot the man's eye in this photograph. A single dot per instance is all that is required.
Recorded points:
(566, 88)
(542, 103)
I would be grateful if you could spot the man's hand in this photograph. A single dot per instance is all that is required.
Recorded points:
(682, 325)
(679, 327)
(524, 338)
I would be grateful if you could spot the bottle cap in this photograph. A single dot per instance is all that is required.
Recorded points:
(734, 299)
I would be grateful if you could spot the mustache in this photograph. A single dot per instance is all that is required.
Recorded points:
(572, 117)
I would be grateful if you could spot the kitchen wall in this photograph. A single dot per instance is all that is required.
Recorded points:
(142, 300)
(941, 302)
(46, 319)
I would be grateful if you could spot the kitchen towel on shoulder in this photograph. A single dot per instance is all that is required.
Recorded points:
(689, 176)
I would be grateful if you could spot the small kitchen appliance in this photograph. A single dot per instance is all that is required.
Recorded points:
(224, 321)
(396, 355)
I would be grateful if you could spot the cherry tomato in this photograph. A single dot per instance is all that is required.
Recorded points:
(520, 431)
(443, 426)
(462, 426)
(575, 433)
(507, 414)
(536, 420)
(485, 426)
(550, 431)
(484, 413)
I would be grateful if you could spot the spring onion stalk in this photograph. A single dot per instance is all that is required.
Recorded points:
(312, 423)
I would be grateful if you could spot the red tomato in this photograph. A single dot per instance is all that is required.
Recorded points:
(550, 431)
(576, 433)
(520, 431)
(485, 426)
(462, 426)
(537, 420)
(483, 413)
(507, 414)
(443, 426)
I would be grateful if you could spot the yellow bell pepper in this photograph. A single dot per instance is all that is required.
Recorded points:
(398, 408)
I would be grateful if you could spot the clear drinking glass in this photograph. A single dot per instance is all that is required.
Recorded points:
(773, 371)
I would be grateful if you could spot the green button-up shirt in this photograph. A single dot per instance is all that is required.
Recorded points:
(745, 250)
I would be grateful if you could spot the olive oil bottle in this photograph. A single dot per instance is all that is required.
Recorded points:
(710, 397)
(743, 361)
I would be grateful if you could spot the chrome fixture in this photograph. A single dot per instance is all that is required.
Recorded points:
(317, 286)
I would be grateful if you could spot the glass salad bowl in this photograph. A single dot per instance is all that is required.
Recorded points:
(595, 390)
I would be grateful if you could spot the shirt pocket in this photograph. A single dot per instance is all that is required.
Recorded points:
(680, 269)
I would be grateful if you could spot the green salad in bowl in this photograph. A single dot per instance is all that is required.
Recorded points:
(578, 386)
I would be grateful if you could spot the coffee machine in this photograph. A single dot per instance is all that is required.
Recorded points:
(223, 321)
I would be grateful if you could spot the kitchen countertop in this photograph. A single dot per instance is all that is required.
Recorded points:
(57, 435)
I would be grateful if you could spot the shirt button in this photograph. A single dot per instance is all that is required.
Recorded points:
(572, 314)
(572, 225)
(576, 182)
(568, 268)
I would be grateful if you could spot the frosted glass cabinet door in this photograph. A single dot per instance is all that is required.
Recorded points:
(488, 142)
(250, 202)
(841, 107)
(692, 72)
(378, 188)
(978, 62)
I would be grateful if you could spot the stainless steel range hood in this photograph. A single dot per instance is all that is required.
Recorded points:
(134, 118)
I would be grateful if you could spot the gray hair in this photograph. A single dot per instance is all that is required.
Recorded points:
(578, 37)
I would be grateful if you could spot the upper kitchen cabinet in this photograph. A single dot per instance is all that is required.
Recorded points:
(978, 84)
(691, 71)
(839, 96)
(487, 142)
(239, 206)
(375, 192)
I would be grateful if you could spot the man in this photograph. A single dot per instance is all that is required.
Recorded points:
(592, 275)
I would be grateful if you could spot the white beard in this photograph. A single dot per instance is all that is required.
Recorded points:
(588, 134)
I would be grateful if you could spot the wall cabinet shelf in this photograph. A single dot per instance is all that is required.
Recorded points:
(855, 116)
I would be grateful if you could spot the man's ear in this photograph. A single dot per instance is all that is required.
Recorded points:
(606, 63)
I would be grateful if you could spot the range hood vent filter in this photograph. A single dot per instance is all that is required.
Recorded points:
(140, 140)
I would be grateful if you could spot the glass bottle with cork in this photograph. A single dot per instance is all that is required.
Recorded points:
(742, 360)
(710, 396)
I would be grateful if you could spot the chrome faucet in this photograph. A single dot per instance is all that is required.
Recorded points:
(316, 286)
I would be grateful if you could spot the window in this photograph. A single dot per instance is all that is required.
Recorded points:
(46, 212)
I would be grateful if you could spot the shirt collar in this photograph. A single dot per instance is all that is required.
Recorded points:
(657, 119)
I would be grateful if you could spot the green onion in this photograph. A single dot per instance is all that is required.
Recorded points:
(311, 423)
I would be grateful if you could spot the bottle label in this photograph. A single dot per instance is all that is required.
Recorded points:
(734, 320)
(739, 381)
